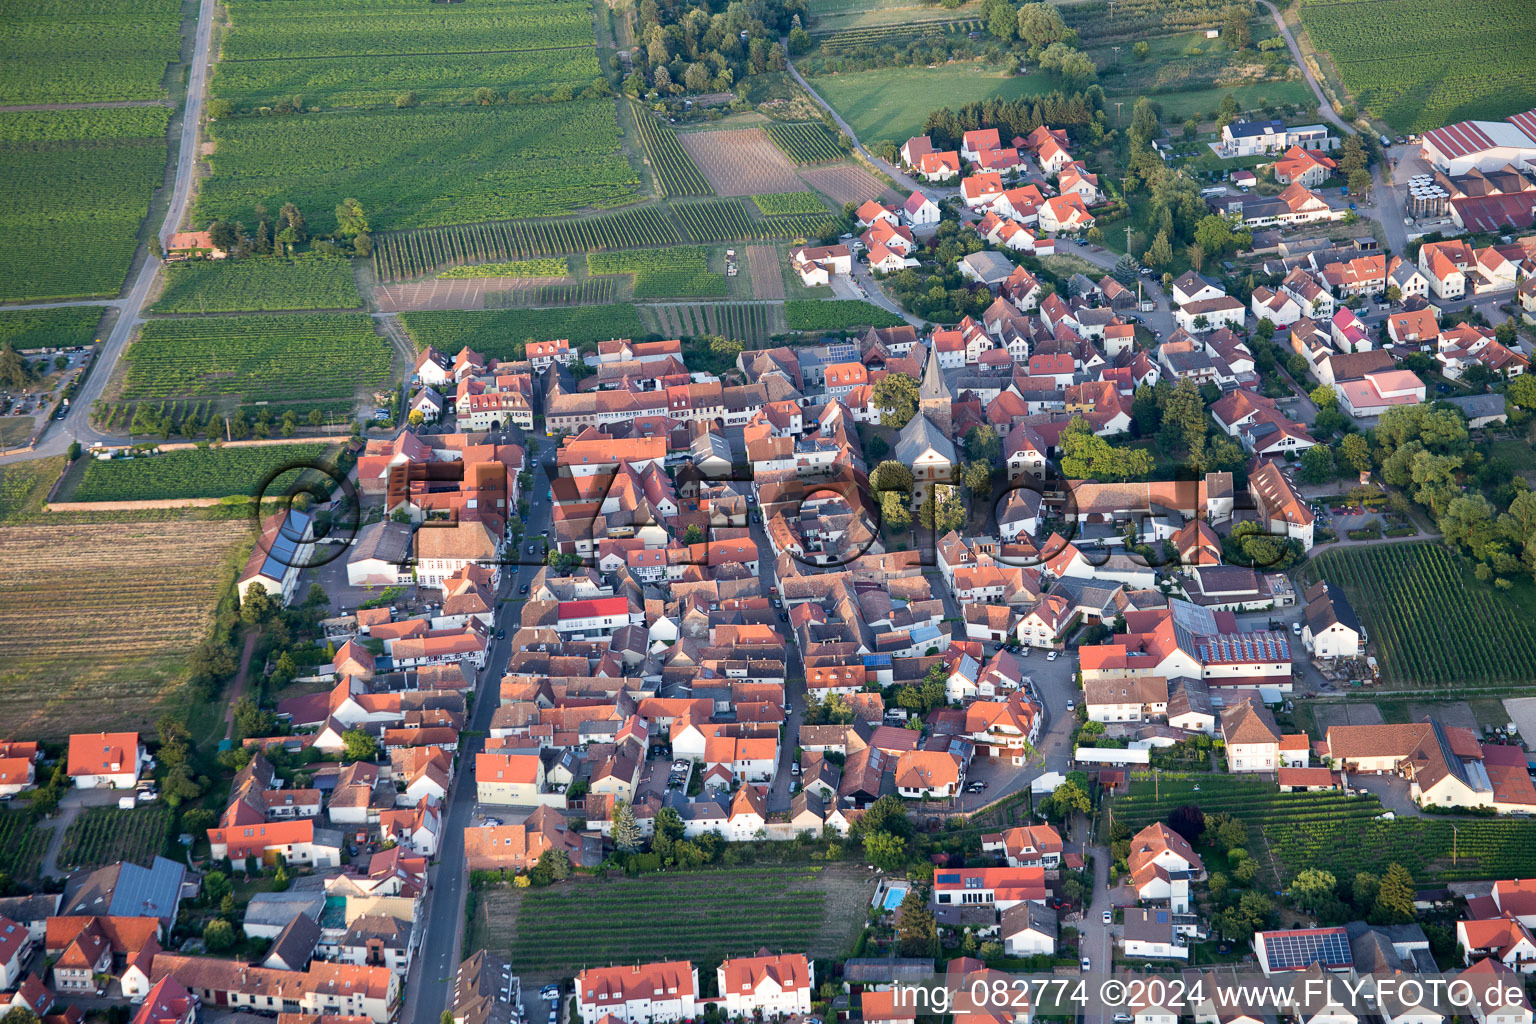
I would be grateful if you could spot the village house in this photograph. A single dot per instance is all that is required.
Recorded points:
(102, 760)
(656, 993)
(765, 986)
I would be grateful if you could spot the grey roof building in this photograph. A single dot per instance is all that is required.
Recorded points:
(918, 437)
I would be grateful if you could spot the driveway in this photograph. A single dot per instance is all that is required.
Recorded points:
(1389, 789)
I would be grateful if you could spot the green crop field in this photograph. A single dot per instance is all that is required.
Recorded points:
(259, 284)
(552, 266)
(78, 185)
(703, 916)
(752, 322)
(501, 333)
(807, 143)
(1433, 623)
(190, 473)
(259, 358)
(596, 291)
(49, 328)
(726, 220)
(837, 315)
(782, 203)
(366, 52)
(662, 273)
(106, 835)
(892, 103)
(52, 51)
(676, 173)
(1420, 64)
(398, 257)
(421, 167)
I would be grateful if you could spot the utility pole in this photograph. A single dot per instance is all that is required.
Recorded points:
(1117, 55)
(1111, 10)
(1117, 112)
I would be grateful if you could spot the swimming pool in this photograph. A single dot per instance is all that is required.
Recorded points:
(893, 896)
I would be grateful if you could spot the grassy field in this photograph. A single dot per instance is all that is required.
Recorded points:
(78, 184)
(190, 473)
(24, 485)
(85, 52)
(702, 916)
(49, 328)
(1432, 622)
(287, 359)
(98, 639)
(106, 835)
(1405, 61)
(837, 15)
(501, 333)
(893, 103)
(259, 285)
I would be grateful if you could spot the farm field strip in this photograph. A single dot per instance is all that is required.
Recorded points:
(64, 327)
(780, 204)
(399, 257)
(259, 284)
(79, 183)
(657, 273)
(190, 473)
(254, 357)
(1432, 623)
(725, 220)
(740, 161)
(845, 183)
(123, 610)
(501, 333)
(88, 52)
(587, 293)
(676, 173)
(837, 314)
(755, 323)
(763, 267)
(809, 142)
(557, 266)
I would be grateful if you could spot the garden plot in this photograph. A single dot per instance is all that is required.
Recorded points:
(846, 183)
(766, 274)
(106, 835)
(741, 161)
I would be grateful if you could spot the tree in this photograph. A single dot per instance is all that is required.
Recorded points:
(1041, 24)
(1317, 464)
(1394, 898)
(895, 395)
(1188, 821)
(941, 511)
(1226, 113)
(1071, 797)
(1312, 889)
(1003, 22)
(358, 745)
(252, 720)
(982, 444)
(1355, 452)
(916, 930)
(1194, 254)
(1144, 123)
(257, 607)
(1214, 235)
(894, 511)
(693, 535)
(553, 866)
(1085, 456)
(1324, 397)
(626, 830)
(1160, 253)
(1359, 182)
(290, 222)
(1191, 127)
(219, 936)
(799, 40)
(1521, 392)
(15, 372)
(1125, 269)
(350, 219)
(1141, 49)
(885, 851)
(1234, 28)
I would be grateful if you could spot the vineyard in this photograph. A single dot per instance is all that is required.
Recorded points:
(65, 327)
(87, 52)
(259, 285)
(847, 39)
(587, 293)
(1406, 60)
(259, 358)
(1483, 848)
(754, 323)
(785, 203)
(699, 915)
(809, 142)
(22, 845)
(122, 612)
(678, 272)
(398, 257)
(194, 473)
(106, 835)
(1250, 800)
(78, 185)
(501, 333)
(725, 220)
(555, 266)
(837, 315)
(676, 173)
(421, 167)
(1432, 623)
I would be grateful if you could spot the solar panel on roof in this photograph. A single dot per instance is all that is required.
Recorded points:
(1294, 950)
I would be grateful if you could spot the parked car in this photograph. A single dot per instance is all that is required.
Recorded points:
(1085, 964)
(1296, 628)
(1109, 916)
(1052, 655)
(1071, 705)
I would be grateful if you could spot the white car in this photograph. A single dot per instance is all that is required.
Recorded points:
(1071, 705)
(1052, 655)
(1109, 917)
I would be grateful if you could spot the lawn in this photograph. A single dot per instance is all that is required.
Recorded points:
(892, 103)
(106, 835)
(1181, 105)
(98, 639)
(702, 916)
(1432, 622)
(1405, 61)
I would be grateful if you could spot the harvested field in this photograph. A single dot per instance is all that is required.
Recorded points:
(764, 271)
(846, 183)
(741, 162)
(454, 293)
(125, 602)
